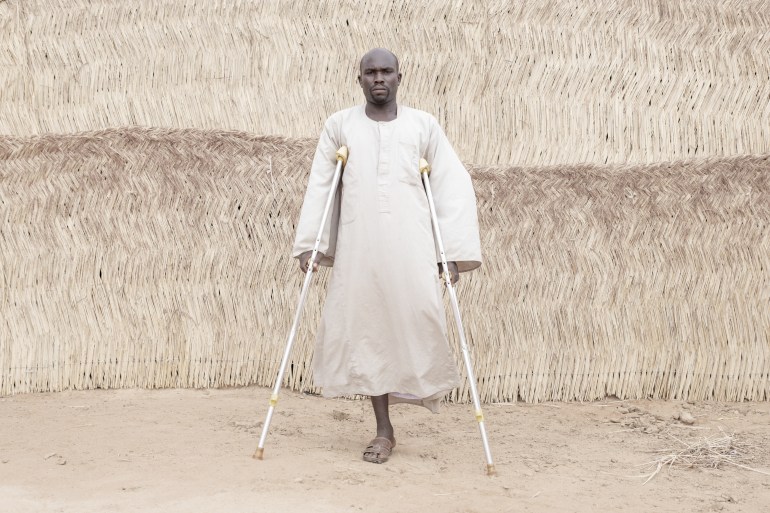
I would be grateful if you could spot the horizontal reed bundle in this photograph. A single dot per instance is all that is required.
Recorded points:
(140, 257)
(513, 83)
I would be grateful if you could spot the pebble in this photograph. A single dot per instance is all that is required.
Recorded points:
(686, 418)
(340, 415)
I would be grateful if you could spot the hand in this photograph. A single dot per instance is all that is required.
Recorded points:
(452, 271)
(303, 260)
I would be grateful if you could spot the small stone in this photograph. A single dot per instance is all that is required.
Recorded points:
(613, 460)
(299, 480)
(633, 423)
(623, 410)
(340, 415)
(6, 461)
(686, 418)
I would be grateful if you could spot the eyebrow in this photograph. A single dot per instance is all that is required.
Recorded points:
(385, 68)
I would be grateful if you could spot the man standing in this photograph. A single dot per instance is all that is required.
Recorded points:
(383, 329)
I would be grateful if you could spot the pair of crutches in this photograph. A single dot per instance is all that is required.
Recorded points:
(342, 156)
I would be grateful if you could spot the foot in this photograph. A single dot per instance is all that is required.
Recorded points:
(379, 449)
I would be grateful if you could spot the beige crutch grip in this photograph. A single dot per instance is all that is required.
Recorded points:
(424, 166)
(342, 155)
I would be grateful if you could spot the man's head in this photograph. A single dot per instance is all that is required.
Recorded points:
(379, 76)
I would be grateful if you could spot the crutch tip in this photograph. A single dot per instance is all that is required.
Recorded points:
(491, 470)
(259, 453)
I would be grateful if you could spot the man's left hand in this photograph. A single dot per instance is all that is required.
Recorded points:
(452, 271)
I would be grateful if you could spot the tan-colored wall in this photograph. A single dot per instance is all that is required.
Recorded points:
(514, 83)
(159, 258)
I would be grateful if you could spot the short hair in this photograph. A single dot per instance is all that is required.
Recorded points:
(360, 63)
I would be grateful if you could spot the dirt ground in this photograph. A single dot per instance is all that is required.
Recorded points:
(190, 450)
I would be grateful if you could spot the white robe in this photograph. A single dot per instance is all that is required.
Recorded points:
(383, 327)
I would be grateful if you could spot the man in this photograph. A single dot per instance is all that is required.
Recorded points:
(382, 332)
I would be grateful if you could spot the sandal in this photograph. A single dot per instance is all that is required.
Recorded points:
(379, 449)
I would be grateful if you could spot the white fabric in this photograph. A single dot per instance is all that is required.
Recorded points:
(383, 324)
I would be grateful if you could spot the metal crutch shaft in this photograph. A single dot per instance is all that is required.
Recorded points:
(342, 157)
(446, 275)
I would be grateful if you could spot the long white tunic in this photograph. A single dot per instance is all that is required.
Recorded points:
(383, 324)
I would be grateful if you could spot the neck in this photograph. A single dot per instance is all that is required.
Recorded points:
(385, 112)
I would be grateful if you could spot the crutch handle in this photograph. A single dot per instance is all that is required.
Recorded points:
(424, 166)
(342, 155)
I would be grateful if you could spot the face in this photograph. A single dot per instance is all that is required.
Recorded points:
(379, 76)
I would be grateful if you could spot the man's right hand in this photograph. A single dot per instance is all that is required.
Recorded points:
(304, 260)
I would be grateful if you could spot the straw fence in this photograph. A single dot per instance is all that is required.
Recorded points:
(160, 258)
(623, 185)
(513, 83)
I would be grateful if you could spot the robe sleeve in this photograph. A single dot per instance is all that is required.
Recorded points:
(455, 202)
(319, 184)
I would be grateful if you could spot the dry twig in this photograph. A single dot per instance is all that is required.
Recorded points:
(713, 452)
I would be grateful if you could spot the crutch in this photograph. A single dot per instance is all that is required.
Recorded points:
(447, 276)
(342, 157)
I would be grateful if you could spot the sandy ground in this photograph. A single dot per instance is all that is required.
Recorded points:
(190, 450)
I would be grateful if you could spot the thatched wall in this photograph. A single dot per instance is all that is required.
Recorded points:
(636, 264)
(514, 83)
(156, 258)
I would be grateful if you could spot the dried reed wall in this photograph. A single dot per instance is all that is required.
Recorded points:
(625, 220)
(514, 83)
(156, 258)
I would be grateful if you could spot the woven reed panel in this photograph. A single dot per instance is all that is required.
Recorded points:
(514, 83)
(160, 258)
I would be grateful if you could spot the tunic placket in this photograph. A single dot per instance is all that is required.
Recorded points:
(385, 133)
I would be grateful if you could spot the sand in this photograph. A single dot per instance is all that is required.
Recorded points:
(190, 450)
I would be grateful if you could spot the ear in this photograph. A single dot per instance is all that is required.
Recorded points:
(359, 81)
(399, 78)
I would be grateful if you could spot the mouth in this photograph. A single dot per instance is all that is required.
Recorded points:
(379, 90)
